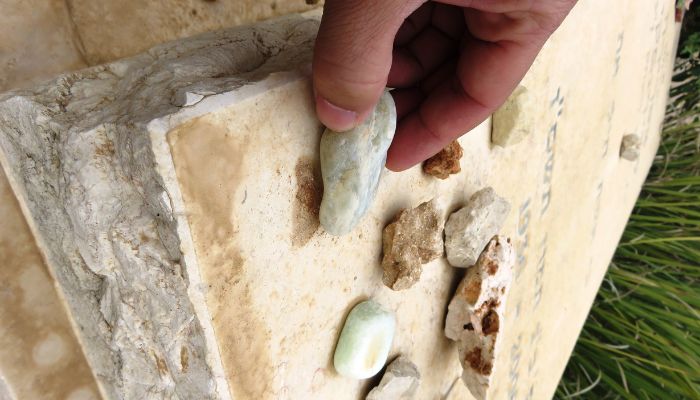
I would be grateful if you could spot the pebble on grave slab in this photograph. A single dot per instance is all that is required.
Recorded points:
(412, 239)
(365, 341)
(476, 313)
(469, 229)
(400, 381)
(446, 162)
(351, 166)
(510, 123)
(630, 146)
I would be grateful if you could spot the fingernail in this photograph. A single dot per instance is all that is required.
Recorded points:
(334, 117)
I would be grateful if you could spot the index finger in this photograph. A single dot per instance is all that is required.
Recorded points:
(486, 74)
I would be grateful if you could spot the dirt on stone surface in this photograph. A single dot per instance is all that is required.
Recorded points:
(307, 200)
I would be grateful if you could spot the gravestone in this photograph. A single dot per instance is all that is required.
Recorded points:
(174, 197)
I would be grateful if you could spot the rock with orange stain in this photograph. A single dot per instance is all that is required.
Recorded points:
(444, 163)
(476, 313)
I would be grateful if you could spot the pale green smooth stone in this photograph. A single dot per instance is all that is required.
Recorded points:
(365, 341)
(351, 166)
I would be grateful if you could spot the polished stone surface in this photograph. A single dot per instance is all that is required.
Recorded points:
(365, 341)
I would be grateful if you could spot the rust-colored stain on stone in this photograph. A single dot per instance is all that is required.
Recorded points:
(491, 267)
(477, 363)
(490, 323)
(472, 291)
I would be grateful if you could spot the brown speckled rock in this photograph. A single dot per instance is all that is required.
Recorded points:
(412, 239)
(444, 163)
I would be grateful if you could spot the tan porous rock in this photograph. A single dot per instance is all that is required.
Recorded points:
(469, 229)
(411, 240)
(476, 313)
(446, 162)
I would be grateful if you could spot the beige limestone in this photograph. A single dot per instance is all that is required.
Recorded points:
(103, 219)
(40, 357)
(305, 291)
(230, 166)
(37, 42)
(41, 39)
(327, 275)
(110, 30)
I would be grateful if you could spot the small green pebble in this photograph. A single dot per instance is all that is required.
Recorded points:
(365, 341)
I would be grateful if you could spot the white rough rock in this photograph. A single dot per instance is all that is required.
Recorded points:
(400, 381)
(469, 229)
(511, 123)
(87, 157)
(476, 313)
(629, 148)
(351, 164)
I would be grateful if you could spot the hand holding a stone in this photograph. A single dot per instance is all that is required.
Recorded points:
(452, 62)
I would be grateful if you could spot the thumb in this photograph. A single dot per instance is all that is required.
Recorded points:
(352, 57)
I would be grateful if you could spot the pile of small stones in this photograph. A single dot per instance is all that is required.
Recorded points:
(351, 164)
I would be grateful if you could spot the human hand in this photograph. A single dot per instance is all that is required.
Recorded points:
(452, 62)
